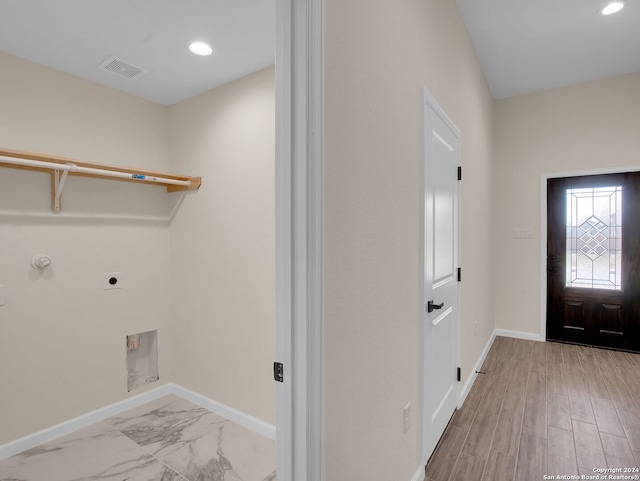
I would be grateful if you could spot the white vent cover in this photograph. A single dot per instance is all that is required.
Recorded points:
(121, 69)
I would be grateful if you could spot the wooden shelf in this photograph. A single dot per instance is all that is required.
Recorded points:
(61, 167)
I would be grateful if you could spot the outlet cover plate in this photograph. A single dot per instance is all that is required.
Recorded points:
(112, 280)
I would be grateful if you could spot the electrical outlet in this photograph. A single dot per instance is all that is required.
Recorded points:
(112, 280)
(406, 418)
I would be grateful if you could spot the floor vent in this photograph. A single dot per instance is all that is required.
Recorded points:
(121, 69)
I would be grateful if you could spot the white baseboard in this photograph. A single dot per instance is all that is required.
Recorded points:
(419, 476)
(530, 336)
(471, 379)
(254, 424)
(67, 427)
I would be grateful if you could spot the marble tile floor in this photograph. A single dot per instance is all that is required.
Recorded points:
(169, 439)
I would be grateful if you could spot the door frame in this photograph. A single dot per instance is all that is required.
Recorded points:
(430, 102)
(299, 238)
(543, 229)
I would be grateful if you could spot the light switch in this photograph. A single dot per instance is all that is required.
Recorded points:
(523, 233)
(2, 295)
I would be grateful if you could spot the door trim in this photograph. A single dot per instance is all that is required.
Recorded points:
(299, 238)
(430, 101)
(543, 229)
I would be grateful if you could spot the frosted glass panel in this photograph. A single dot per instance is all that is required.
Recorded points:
(594, 238)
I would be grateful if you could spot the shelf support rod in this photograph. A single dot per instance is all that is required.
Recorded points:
(93, 171)
(61, 168)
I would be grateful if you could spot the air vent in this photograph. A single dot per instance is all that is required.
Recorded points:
(121, 69)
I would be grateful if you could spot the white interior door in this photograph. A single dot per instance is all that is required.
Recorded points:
(441, 291)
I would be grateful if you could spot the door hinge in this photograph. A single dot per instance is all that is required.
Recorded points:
(278, 372)
(459, 374)
(459, 172)
(459, 274)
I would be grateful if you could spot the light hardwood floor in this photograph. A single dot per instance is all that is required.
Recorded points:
(543, 408)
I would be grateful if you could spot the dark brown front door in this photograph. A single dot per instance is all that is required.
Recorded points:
(593, 260)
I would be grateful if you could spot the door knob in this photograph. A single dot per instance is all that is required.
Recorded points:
(431, 306)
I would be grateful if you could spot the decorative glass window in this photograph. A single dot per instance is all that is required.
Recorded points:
(594, 238)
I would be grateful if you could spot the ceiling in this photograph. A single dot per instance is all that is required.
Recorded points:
(523, 46)
(77, 36)
(527, 46)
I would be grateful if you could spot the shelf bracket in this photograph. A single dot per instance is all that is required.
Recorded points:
(58, 178)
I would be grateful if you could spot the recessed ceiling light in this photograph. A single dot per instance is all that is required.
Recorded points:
(201, 48)
(612, 7)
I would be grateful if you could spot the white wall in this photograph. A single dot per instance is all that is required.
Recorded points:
(377, 62)
(223, 244)
(593, 125)
(62, 337)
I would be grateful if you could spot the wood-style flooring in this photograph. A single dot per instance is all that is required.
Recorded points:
(544, 408)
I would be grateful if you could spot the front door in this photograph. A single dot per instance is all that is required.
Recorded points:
(441, 303)
(593, 268)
